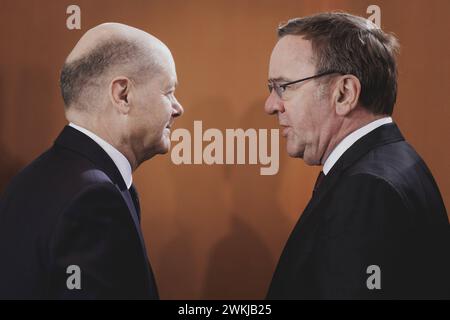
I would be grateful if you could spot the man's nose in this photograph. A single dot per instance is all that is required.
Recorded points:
(273, 104)
(177, 109)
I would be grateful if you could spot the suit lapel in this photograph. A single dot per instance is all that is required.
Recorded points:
(388, 133)
(134, 214)
(80, 143)
(302, 238)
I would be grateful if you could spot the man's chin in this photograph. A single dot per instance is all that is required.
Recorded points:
(165, 145)
(311, 160)
(162, 148)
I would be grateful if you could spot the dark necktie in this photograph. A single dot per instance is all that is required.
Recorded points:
(318, 181)
(135, 198)
(154, 290)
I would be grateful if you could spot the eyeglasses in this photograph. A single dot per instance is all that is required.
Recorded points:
(280, 88)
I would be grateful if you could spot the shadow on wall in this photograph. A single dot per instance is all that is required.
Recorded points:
(9, 165)
(28, 107)
(177, 265)
(241, 264)
(199, 209)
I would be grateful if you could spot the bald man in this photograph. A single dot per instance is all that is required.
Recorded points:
(70, 221)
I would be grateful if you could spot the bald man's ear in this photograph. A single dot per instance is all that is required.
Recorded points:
(119, 91)
(346, 94)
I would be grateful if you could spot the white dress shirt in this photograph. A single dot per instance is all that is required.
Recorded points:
(349, 140)
(117, 157)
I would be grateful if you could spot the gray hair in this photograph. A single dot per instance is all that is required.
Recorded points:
(350, 44)
(79, 78)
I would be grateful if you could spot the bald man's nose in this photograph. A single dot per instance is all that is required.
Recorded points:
(177, 109)
(273, 104)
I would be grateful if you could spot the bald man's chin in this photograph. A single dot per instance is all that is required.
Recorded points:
(162, 148)
(165, 145)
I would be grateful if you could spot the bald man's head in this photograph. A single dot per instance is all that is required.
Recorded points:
(119, 82)
(106, 51)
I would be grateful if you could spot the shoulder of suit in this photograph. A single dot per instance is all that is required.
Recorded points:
(79, 170)
(394, 163)
(395, 168)
(59, 173)
(99, 200)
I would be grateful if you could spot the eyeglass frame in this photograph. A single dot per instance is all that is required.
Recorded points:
(273, 85)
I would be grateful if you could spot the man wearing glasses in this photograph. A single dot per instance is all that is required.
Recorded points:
(376, 225)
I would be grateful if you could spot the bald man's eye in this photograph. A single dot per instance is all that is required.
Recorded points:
(170, 94)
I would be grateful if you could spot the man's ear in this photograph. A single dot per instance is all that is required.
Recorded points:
(346, 94)
(119, 93)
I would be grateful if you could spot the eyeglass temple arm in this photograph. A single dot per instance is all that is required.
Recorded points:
(312, 77)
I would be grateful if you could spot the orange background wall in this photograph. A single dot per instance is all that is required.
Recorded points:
(215, 231)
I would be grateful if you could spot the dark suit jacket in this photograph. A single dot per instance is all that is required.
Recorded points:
(71, 207)
(378, 205)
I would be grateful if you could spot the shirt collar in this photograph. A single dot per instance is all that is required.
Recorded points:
(117, 157)
(349, 140)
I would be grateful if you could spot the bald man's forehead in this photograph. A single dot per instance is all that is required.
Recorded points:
(167, 68)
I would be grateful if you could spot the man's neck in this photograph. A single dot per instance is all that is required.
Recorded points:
(359, 118)
(104, 132)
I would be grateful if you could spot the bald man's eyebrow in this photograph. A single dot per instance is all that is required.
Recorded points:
(171, 85)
